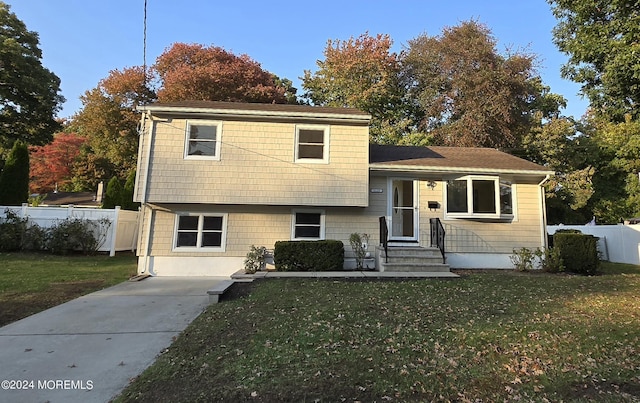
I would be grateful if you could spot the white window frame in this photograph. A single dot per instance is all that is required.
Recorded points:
(325, 144)
(307, 211)
(198, 248)
(187, 139)
(469, 214)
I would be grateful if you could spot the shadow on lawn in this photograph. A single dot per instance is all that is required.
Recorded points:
(19, 306)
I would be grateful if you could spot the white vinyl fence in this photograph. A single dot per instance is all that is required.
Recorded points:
(121, 235)
(617, 243)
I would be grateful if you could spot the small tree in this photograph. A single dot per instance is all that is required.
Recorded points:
(359, 244)
(127, 192)
(14, 179)
(114, 193)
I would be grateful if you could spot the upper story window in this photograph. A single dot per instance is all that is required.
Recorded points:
(203, 140)
(479, 197)
(307, 224)
(312, 144)
(206, 232)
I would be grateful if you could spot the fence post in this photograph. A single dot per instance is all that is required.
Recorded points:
(70, 211)
(23, 210)
(114, 232)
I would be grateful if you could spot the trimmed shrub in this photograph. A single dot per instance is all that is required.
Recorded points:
(325, 255)
(579, 252)
(561, 231)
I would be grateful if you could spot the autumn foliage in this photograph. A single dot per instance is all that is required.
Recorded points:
(53, 163)
(471, 95)
(360, 73)
(198, 72)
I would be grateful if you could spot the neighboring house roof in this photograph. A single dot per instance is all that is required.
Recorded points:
(449, 159)
(67, 198)
(256, 109)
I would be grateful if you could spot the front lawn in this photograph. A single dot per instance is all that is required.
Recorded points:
(30, 283)
(490, 336)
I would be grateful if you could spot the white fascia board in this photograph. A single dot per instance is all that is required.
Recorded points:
(255, 113)
(449, 170)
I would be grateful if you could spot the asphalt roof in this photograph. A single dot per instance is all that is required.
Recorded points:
(449, 157)
(216, 105)
(76, 198)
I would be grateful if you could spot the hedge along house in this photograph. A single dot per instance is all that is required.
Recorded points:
(215, 178)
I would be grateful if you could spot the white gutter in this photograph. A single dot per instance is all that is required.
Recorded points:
(255, 113)
(139, 161)
(445, 169)
(146, 247)
(543, 219)
(146, 141)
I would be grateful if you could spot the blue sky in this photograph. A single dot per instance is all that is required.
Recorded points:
(82, 40)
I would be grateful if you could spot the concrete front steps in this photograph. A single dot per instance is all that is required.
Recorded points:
(411, 259)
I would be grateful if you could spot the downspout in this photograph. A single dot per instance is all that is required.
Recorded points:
(543, 220)
(146, 240)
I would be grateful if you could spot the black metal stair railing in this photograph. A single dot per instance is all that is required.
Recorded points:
(384, 237)
(437, 236)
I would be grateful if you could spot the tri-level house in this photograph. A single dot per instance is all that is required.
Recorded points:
(215, 178)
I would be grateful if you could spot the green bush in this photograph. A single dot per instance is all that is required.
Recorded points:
(579, 252)
(550, 260)
(255, 259)
(568, 231)
(523, 259)
(34, 238)
(75, 234)
(325, 255)
(12, 231)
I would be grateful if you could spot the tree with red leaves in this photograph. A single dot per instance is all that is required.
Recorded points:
(197, 72)
(52, 164)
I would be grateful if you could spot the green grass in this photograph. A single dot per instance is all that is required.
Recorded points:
(30, 283)
(490, 336)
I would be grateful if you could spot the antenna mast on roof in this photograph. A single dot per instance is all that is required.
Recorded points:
(144, 46)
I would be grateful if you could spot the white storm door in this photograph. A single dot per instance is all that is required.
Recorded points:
(403, 210)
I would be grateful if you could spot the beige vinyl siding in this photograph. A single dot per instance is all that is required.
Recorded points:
(257, 167)
(143, 158)
(471, 235)
(259, 225)
(264, 225)
(480, 236)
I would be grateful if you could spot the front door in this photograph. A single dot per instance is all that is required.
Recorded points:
(404, 210)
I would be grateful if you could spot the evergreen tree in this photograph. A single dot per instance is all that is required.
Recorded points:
(127, 194)
(113, 195)
(14, 179)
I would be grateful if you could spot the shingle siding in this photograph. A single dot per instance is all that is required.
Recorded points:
(257, 167)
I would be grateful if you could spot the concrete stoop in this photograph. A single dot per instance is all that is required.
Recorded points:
(411, 259)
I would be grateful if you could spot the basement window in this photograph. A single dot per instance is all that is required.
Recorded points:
(200, 232)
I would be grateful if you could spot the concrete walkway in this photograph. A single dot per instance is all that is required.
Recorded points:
(371, 274)
(88, 349)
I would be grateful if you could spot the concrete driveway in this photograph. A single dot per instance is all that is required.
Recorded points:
(88, 349)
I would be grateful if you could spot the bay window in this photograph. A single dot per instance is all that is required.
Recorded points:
(479, 197)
